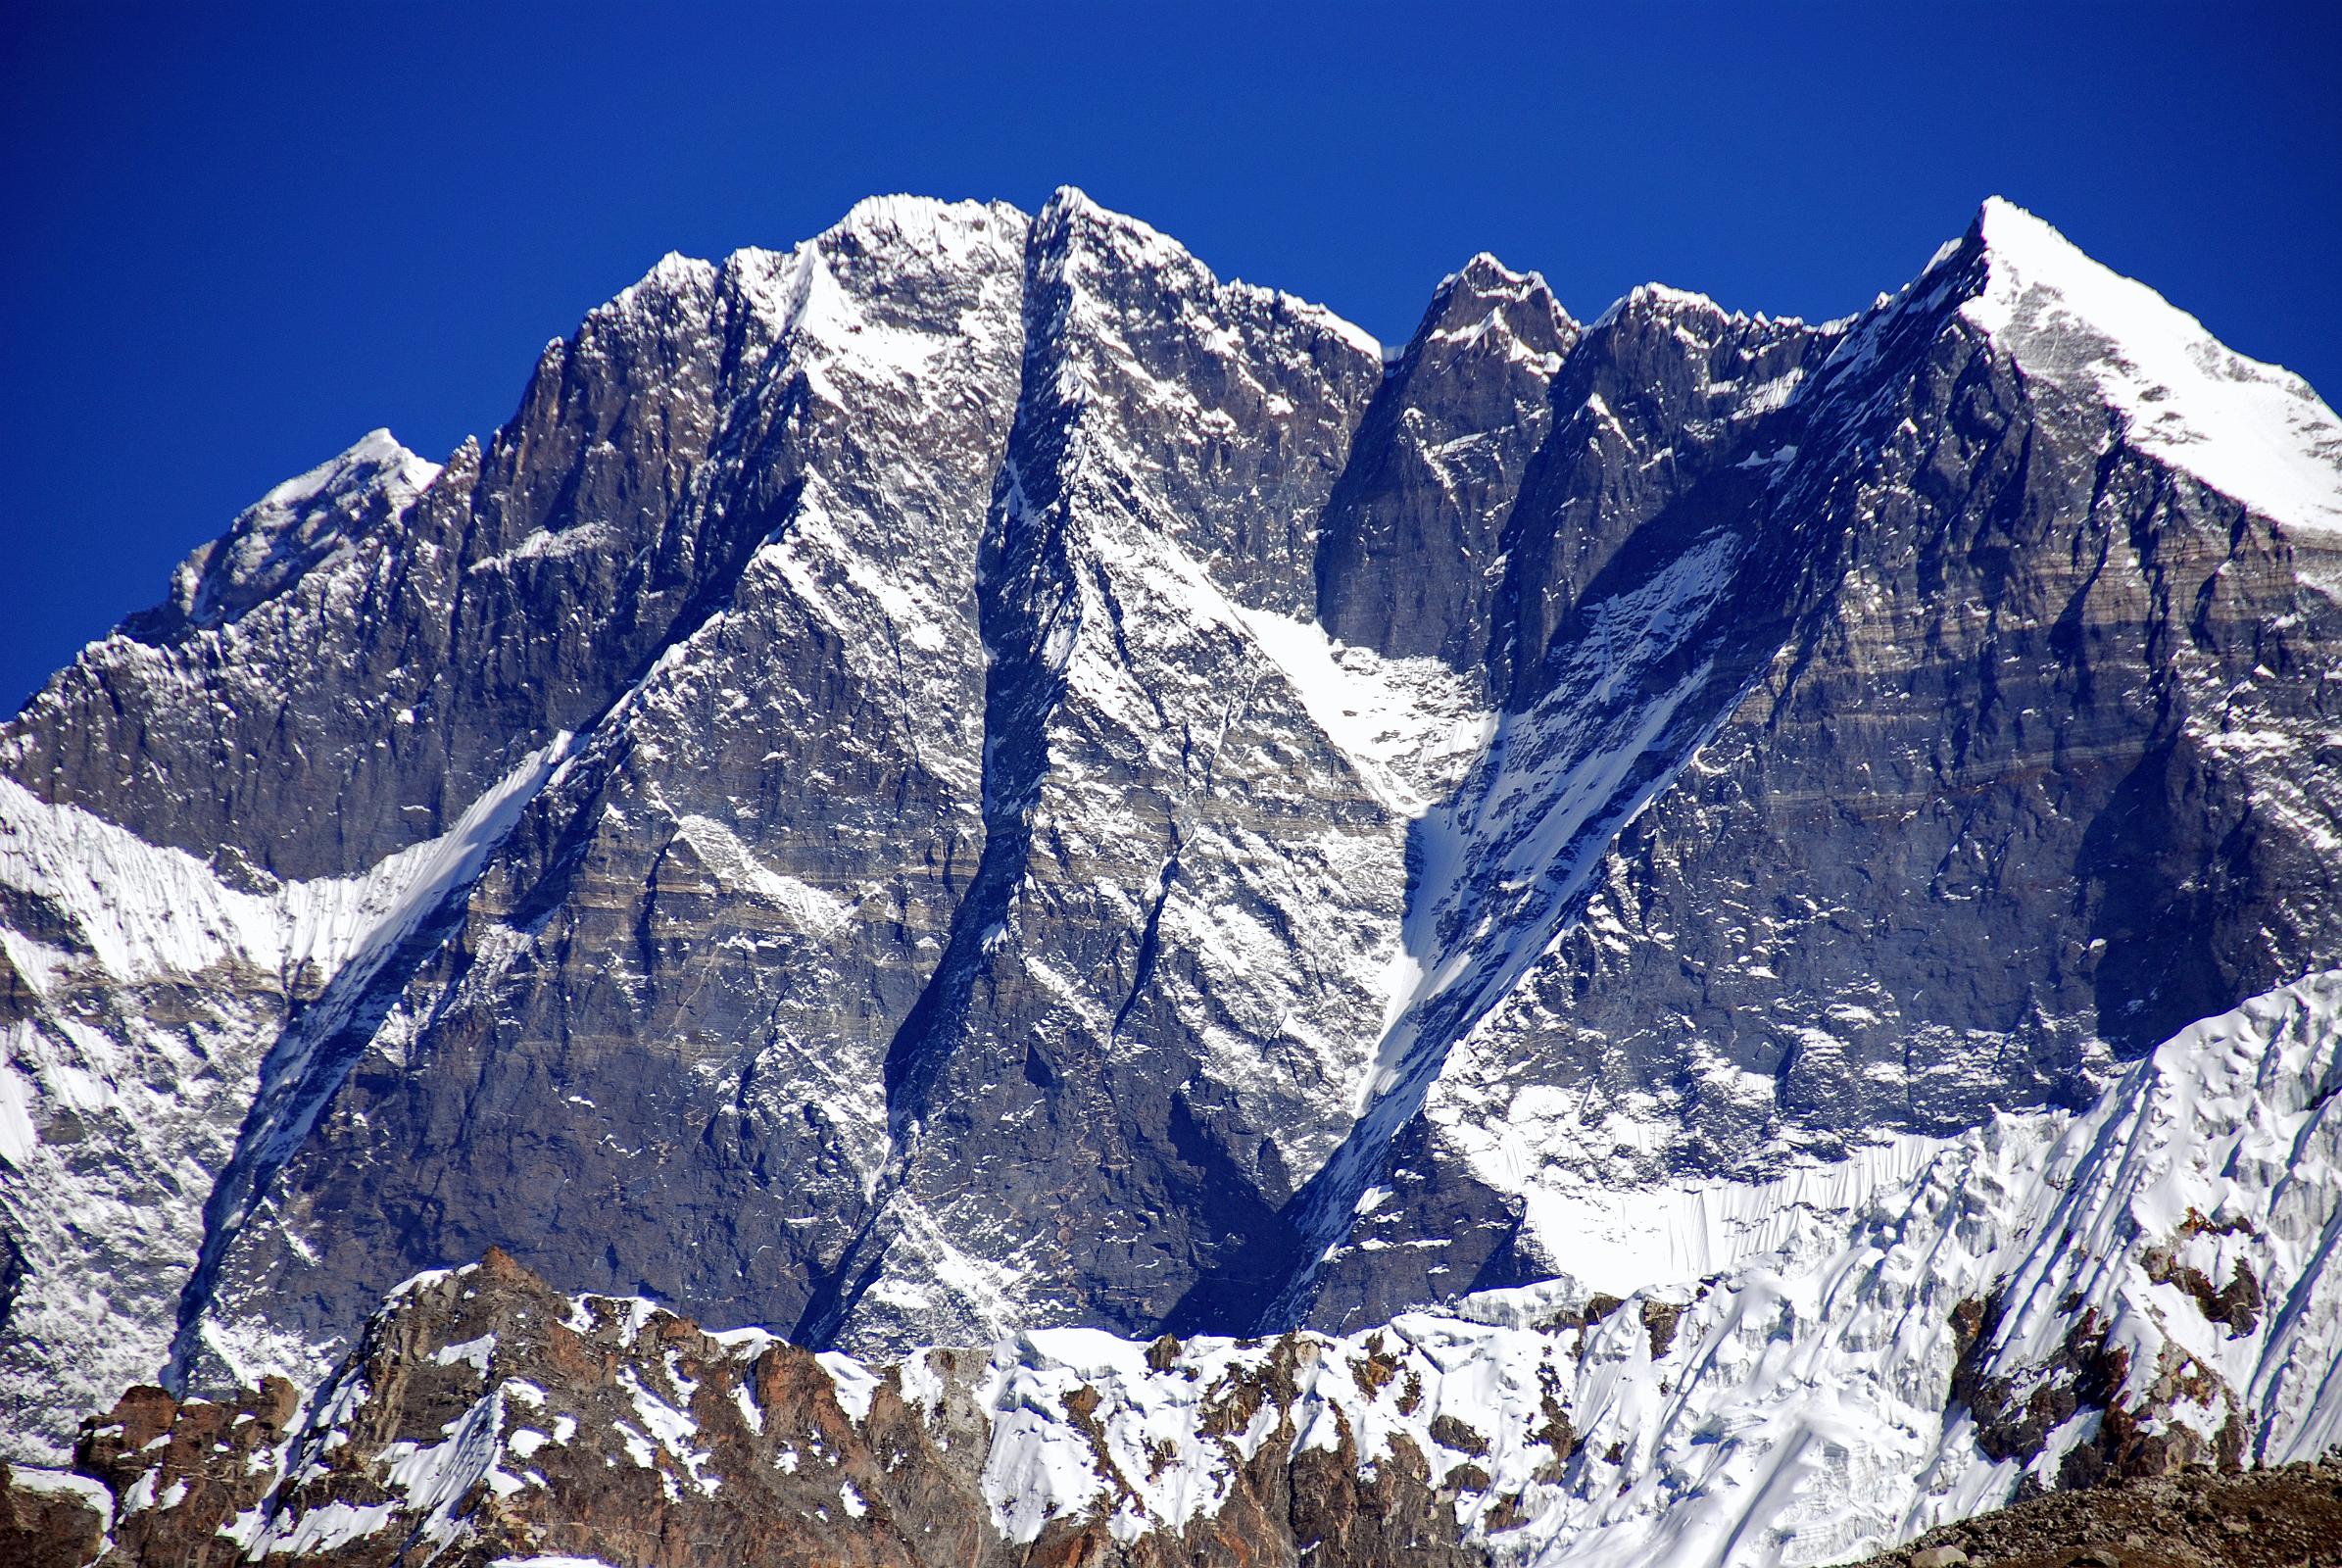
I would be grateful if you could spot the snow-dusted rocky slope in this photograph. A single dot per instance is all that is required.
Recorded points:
(971, 779)
(2137, 1276)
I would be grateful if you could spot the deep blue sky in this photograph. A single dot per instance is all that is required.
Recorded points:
(238, 237)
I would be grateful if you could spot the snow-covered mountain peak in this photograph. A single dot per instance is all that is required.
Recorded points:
(897, 232)
(886, 289)
(375, 454)
(927, 223)
(2256, 432)
(1070, 216)
(292, 527)
(671, 277)
(1660, 299)
(1486, 297)
(1485, 274)
(1098, 804)
(1080, 239)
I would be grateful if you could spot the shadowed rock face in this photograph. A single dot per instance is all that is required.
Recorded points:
(1411, 557)
(356, 707)
(973, 775)
(483, 1415)
(732, 895)
(1661, 393)
(1980, 819)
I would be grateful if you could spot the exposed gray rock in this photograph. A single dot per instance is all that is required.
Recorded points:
(1410, 558)
(2031, 767)
(973, 775)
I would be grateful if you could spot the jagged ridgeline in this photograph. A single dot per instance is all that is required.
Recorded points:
(1717, 929)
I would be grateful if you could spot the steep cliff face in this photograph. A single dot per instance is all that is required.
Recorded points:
(1664, 392)
(1107, 1077)
(1412, 549)
(972, 777)
(692, 950)
(2023, 762)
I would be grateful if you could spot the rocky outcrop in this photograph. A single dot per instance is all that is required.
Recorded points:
(483, 1416)
(2198, 1518)
(49, 1520)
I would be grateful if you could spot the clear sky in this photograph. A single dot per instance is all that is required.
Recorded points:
(237, 237)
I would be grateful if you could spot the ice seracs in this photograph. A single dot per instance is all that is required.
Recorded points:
(1777, 1400)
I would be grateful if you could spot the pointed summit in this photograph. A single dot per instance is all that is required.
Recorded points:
(1070, 210)
(289, 530)
(1486, 296)
(2255, 432)
(1407, 557)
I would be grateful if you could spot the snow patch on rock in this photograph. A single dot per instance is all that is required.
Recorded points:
(2253, 431)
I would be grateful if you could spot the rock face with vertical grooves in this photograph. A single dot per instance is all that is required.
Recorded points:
(1937, 1343)
(972, 777)
(2032, 766)
(1412, 544)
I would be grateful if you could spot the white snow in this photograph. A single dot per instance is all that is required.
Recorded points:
(377, 448)
(109, 1247)
(474, 1352)
(331, 1525)
(737, 868)
(30, 1478)
(147, 913)
(673, 1429)
(1798, 1413)
(2255, 432)
(1407, 725)
(17, 1135)
(856, 1385)
(550, 545)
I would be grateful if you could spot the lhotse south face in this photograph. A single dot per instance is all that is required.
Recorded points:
(972, 778)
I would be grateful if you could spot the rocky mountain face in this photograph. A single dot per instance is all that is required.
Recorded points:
(1745, 908)
(2097, 1323)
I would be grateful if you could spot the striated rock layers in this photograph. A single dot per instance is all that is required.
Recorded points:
(972, 777)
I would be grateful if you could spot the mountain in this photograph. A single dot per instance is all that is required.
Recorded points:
(1682, 934)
